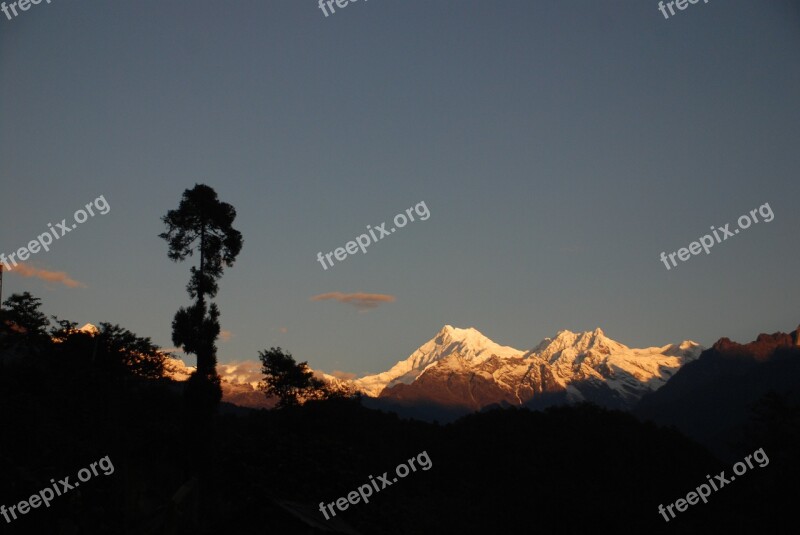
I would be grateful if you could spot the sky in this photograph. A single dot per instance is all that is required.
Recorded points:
(559, 147)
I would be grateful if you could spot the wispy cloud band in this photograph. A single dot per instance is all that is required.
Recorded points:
(360, 300)
(50, 276)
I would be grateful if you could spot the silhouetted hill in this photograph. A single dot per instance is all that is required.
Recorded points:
(712, 398)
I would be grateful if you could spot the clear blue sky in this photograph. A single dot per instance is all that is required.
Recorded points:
(560, 147)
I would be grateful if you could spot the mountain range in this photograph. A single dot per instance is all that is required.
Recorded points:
(464, 371)
(461, 371)
(708, 394)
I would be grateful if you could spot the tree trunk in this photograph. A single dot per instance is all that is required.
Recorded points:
(204, 364)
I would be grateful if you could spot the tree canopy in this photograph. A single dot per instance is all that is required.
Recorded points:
(23, 310)
(290, 382)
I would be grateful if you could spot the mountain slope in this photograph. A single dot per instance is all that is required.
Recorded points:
(712, 398)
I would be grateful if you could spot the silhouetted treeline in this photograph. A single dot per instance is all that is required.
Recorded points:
(568, 470)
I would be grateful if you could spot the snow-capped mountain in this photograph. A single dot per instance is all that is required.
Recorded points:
(239, 381)
(89, 328)
(469, 344)
(463, 368)
(592, 360)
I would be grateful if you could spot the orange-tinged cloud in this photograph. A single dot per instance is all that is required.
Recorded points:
(225, 335)
(360, 300)
(50, 276)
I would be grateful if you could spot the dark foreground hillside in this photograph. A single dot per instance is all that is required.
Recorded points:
(566, 470)
(715, 398)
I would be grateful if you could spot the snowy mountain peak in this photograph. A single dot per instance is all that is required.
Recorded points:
(89, 328)
(468, 344)
(568, 342)
(454, 333)
(469, 340)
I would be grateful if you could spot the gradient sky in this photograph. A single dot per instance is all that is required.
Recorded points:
(560, 147)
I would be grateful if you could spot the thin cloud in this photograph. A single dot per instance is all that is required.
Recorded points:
(50, 276)
(225, 335)
(362, 301)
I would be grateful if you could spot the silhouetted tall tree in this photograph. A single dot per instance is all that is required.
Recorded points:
(202, 224)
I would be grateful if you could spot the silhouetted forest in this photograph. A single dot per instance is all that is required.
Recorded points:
(70, 397)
